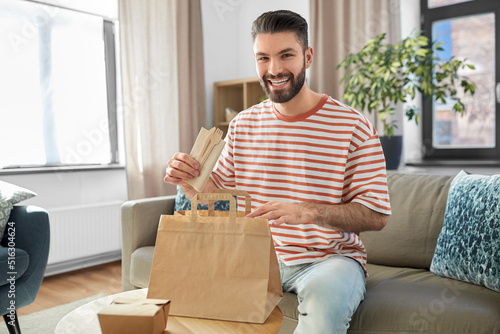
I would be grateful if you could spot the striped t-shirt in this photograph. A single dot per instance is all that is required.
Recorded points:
(329, 155)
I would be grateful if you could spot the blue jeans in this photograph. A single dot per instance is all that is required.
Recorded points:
(328, 291)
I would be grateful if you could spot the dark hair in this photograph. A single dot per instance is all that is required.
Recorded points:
(281, 21)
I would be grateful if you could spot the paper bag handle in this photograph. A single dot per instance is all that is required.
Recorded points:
(234, 192)
(212, 197)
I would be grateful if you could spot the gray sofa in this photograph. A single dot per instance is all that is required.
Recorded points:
(402, 295)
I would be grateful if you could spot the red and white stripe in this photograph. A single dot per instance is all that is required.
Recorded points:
(329, 155)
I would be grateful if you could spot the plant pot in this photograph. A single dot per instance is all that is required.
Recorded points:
(393, 149)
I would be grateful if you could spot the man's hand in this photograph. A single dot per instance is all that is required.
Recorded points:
(283, 213)
(182, 167)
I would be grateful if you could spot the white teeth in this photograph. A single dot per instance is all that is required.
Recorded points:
(280, 82)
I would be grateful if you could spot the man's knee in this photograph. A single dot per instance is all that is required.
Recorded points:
(328, 301)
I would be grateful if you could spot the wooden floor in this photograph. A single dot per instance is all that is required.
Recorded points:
(68, 287)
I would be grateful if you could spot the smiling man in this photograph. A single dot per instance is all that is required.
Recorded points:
(314, 168)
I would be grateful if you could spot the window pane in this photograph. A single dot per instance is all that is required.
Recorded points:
(477, 128)
(53, 102)
(441, 3)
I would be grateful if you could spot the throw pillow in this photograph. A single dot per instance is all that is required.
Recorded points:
(10, 194)
(469, 243)
(184, 204)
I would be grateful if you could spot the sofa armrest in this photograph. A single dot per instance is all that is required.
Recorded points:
(31, 234)
(140, 220)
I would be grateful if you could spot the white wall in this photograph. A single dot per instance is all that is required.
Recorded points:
(412, 139)
(227, 42)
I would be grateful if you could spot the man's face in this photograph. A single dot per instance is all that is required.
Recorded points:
(281, 64)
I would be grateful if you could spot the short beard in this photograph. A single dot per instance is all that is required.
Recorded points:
(282, 96)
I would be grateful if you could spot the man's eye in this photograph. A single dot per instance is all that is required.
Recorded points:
(286, 55)
(262, 58)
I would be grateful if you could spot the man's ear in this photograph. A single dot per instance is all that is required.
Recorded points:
(308, 55)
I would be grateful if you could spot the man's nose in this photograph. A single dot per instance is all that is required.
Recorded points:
(275, 67)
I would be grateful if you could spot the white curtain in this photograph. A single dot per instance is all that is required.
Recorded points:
(163, 87)
(340, 27)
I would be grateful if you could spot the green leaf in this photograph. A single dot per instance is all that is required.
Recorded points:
(458, 107)
(421, 52)
(472, 88)
(410, 112)
(386, 76)
(389, 130)
(422, 41)
(439, 45)
(382, 115)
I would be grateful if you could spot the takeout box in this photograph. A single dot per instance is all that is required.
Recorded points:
(135, 316)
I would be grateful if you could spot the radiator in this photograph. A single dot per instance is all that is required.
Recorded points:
(83, 236)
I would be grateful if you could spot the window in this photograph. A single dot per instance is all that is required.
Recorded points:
(470, 30)
(57, 87)
(440, 3)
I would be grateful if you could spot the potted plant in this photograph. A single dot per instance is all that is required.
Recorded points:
(382, 76)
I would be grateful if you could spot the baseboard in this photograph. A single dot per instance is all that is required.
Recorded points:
(89, 261)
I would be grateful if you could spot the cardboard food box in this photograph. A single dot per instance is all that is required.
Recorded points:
(135, 316)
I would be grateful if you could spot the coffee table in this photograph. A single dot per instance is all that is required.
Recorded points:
(84, 320)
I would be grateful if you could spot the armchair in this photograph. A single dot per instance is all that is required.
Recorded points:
(140, 220)
(23, 259)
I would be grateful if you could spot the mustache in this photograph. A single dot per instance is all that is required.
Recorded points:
(279, 76)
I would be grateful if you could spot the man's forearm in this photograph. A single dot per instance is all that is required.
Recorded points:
(350, 217)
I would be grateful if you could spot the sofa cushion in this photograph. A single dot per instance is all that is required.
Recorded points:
(184, 204)
(418, 204)
(415, 300)
(5, 209)
(407, 300)
(10, 194)
(140, 266)
(468, 247)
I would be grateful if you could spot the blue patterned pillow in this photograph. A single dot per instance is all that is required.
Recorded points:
(10, 194)
(184, 204)
(468, 247)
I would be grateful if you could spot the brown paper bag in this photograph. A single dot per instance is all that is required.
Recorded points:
(216, 267)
